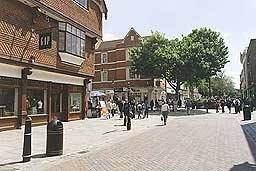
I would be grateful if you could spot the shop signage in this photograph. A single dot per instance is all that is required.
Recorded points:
(45, 40)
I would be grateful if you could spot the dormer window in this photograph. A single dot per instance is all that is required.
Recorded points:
(83, 3)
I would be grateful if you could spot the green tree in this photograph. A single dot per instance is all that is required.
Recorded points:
(222, 86)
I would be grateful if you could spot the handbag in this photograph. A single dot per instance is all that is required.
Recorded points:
(162, 118)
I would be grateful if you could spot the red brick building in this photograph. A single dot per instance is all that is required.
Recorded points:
(112, 70)
(47, 58)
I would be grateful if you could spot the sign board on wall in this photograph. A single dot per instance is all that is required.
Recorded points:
(45, 40)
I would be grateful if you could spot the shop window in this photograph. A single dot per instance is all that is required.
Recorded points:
(8, 102)
(71, 40)
(36, 101)
(56, 103)
(75, 102)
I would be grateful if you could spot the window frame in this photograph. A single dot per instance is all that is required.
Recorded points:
(102, 76)
(102, 55)
(80, 105)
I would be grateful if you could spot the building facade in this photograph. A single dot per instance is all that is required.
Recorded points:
(47, 58)
(113, 74)
(248, 74)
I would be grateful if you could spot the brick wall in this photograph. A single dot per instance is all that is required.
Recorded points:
(92, 18)
(16, 42)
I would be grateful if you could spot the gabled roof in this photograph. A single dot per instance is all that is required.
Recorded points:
(112, 44)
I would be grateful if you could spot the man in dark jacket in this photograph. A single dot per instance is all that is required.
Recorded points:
(126, 111)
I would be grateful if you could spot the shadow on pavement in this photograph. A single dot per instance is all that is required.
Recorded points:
(38, 156)
(114, 131)
(250, 134)
(11, 163)
(244, 167)
(160, 125)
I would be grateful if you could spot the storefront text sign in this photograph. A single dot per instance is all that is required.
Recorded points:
(45, 40)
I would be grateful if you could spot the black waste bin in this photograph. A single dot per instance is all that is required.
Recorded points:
(247, 112)
(54, 144)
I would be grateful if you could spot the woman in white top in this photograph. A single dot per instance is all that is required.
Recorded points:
(165, 110)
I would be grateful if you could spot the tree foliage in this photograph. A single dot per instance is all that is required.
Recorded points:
(221, 86)
(198, 56)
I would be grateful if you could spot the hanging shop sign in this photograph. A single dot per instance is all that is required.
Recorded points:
(45, 40)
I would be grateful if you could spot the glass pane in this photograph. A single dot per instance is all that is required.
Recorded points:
(62, 26)
(74, 44)
(7, 97)
(78, 33)
(83, 48)
(35, 101)
(69, 28)
(69, 42)
(74, 30)
(79, 46)
(75, 104)
(61, 41)
(82, 35)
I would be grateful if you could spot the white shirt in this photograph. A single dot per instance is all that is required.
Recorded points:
(165, 108)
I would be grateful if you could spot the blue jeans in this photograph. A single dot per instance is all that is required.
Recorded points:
(165, 116)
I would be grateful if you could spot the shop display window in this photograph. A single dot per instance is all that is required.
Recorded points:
(8, 102)
(36, 101)
(75, 102)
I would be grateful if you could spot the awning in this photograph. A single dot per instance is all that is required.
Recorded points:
(97, 94)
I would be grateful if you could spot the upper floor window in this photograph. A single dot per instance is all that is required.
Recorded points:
(71, 39)
(83, 3)
(104, 76)
(132, 75)
(104, 58)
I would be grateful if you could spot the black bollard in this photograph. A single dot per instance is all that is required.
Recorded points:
(27, 140)
(129, 123)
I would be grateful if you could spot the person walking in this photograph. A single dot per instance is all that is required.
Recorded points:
(217, 105)
(229, 104)
(222, 104)
(139, 110)
(120, 107)
(126, 111)
(188, 106)
(152, 105)
(146, 110)
(165, 110)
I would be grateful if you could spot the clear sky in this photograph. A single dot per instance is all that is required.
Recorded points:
(234, 19)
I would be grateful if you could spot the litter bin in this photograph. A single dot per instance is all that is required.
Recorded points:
(54, 144)
(247, 112)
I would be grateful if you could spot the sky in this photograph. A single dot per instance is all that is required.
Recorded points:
(234, 19)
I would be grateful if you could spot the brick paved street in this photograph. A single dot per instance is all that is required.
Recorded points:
(194, 143)
(214, 142)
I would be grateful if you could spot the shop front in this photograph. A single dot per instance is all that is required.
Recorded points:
(41, 100)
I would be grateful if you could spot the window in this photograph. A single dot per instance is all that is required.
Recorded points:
(132, 38)
(75, 99)
(104, 76)
(36, 101)
(71, 39)
(8, 102)
(132, 75)
(82, 2)
(104, 58)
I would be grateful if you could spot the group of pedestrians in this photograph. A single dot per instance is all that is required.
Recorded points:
(229, 103)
